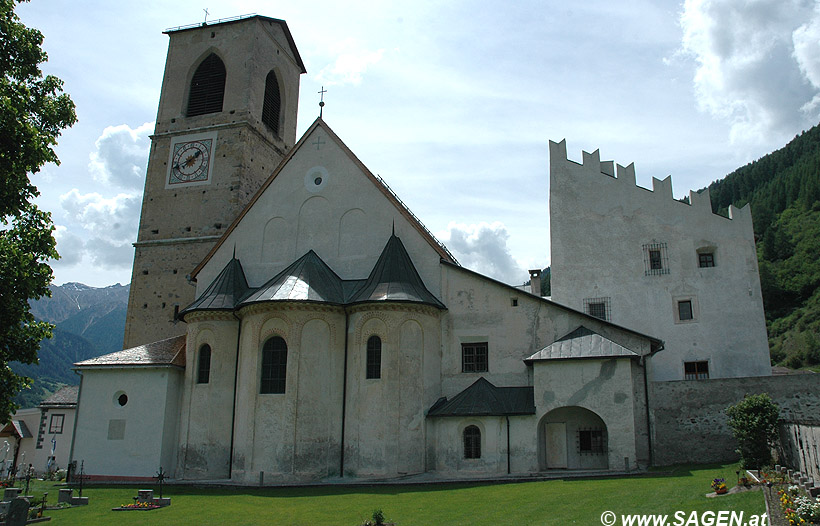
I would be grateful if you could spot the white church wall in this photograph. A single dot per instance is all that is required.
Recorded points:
(207, 408)
(345, 219)
(124, 440)
(601, 226)
(293, 435)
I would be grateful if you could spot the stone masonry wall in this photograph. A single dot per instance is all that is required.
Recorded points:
(689, 423)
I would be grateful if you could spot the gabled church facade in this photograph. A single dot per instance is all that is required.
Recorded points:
(322, 332)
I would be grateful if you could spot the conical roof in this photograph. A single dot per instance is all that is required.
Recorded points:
(395, 278)
(224, 292)
(307, 279)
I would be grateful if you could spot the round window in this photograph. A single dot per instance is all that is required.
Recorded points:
(121, 399)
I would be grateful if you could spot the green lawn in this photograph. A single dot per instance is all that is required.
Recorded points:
(541, 503)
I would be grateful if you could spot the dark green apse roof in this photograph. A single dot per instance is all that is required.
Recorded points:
(395, 278)
(224, 292)
(307, 279)
(484, 399)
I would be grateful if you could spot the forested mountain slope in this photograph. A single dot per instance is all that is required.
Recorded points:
(784, 191)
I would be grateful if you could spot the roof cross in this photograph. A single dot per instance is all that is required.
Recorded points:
(205, 23)
(321, 101)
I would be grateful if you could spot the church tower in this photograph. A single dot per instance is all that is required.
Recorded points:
(226, 118)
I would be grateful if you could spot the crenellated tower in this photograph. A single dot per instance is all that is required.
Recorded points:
(226, 118)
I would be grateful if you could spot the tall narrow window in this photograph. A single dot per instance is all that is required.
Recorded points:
(203, 375)
(272, 104)
(474, 357)
(374, 357)
(207, 87)
(685, 310)
(274, 366)
(472, 442)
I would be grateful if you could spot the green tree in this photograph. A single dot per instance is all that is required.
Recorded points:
(754, 424)
(33, 112)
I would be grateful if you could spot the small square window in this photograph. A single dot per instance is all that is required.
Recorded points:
(474, 357)
(706, 259)
(656, 260)
(514, 302)
(591, 441)
(696, 370)
(685, 310)
(56, 424)
(598, 307)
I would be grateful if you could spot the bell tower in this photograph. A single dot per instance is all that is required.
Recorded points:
(226, 118)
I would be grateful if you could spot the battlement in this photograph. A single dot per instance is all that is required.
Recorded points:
(625, 175)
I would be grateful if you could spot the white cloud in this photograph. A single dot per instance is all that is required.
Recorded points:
(757, 62)
(69, 246)
(121, 155)
(350, 64)
(109, 226)
(483, 247)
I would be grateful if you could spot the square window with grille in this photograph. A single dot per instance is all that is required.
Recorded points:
(474, 357)
(591, 441)
(598, 307)
(696, 370)
(655, 259)
(685, 312)
(706, 259)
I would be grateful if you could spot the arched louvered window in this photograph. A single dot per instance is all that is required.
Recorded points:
(207, 87)
(374, 357)
(272, 105)
(274, 366)
(472, 442)
(203, 374)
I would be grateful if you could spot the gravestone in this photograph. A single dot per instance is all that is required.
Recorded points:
(146, 495)
(11, 493)
(18, 512)
(65, 495)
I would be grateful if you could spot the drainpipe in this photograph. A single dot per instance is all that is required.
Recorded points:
(646, 404)
(76, 418)
(508, 445)
(235, 383)
(344, 399)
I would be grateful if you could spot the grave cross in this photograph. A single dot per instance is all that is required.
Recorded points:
(81, 477)
(160, 477)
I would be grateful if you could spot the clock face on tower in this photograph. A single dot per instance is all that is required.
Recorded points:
(190, 162)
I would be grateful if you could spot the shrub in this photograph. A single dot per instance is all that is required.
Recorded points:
(754, 424)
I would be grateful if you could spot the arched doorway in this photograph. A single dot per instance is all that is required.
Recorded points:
(572, 438)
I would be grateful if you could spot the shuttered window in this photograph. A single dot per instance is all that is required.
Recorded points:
(272, 105)
(207, 87)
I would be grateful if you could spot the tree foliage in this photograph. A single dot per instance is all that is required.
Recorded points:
(33, 112)
(783, 189)
(754, 424)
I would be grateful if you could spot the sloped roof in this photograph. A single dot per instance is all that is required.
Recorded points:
(65, 397)
(17, 428)
(169, 352)
(395, 278)
(414, 221)
(306, 279)
(582, 343)
(224, 293)
(482, 398)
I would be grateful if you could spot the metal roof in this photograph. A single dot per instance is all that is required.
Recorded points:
(225, 291)
(582, 343)
(482, 398)
(168, 352)
(306, 279)
(395, 278)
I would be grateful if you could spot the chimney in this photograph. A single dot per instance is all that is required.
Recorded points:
(535, 282)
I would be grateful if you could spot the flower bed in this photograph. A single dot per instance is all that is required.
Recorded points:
(799, 508)
(139, 506)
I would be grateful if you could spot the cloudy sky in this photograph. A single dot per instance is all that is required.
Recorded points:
(452, 103)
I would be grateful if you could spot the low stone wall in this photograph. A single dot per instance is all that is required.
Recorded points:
(689, 422)
(799, 445)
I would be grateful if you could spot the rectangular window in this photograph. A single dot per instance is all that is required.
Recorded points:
(56, 424)
(598, 307)
(474, 357)
(706, 259)
(374, 358)
(685, 310)
(591, 441)
(655, 259)
(696, 370)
